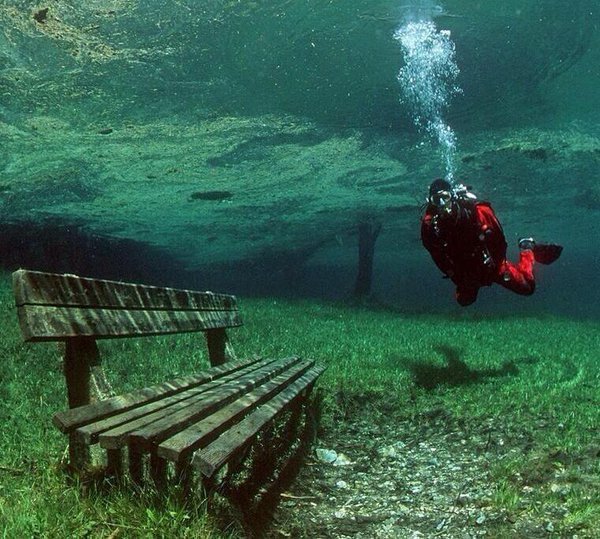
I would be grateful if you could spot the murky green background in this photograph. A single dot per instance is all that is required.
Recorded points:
(236, 145)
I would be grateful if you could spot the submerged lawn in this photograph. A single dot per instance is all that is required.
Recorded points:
(533, 379)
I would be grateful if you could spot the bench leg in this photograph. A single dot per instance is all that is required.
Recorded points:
(158, 471)
(313, 408)
(220, 349)
(136, 465)
(276, 466)
(114, 463)
(79, 452)
(236, 460)
(295, 419)
(184, 477)
(79, 353)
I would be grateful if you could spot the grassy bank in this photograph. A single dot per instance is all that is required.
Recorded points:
(532, 382)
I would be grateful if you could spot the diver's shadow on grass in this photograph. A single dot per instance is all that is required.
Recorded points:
(456, 372)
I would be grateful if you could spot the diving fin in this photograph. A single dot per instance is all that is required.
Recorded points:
(546, 253)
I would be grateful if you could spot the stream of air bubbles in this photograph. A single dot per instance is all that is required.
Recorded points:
(428, 78)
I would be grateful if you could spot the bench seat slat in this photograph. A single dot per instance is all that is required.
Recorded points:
(200, 434)
(74, 418)
(180, 415)
(39, 288)
(211, 458)
(147, 412)
(44, 323)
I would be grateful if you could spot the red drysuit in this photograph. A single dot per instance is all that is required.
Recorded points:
(469, 247)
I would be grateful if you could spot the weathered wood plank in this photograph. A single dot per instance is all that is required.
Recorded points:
(43, 323)
(154, 428)
(152, 411)
(211, 458)
(72, 419)
(39, 288)
(205, 431)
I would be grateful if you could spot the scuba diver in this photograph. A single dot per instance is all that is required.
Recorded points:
(466, 241)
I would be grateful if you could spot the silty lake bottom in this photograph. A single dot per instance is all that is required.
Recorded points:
(238, 148)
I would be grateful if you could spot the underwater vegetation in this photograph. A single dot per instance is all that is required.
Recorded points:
(517, 397)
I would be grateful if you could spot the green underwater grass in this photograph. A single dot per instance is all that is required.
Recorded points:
(533, 379)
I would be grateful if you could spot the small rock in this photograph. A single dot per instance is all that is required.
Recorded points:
(562, 490)
(462, 499)
(342, 460)
(389, 451)
(341, 484)
(328, 456)
(41, 15)
(480, 519)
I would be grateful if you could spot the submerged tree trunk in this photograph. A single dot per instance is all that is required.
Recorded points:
(368, 231)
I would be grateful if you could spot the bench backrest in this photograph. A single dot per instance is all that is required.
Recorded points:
(78, 311)
(58, 307)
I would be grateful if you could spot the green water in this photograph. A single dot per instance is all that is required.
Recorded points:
(117, 117)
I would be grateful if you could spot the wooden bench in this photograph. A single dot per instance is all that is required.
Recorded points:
(200, 421)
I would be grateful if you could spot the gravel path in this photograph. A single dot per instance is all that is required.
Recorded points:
(413, 479)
